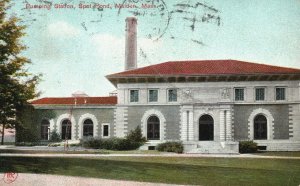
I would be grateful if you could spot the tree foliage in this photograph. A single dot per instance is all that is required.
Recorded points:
(17, 85)
(31, 118)
(136, 135)
(55, 136)
(171, 146)
(247, 147)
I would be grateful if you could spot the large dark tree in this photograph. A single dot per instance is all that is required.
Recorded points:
(17, 85)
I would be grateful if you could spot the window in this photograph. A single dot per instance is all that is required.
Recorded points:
(206, 128)
(105, 130)
(45, 124)
(153, 95)
(66, 129)
(153, 128)
(134, 95)
(260, 127)
(280, 93)
(239, 94)
(172, 95)
(88, 128)
(260, 94)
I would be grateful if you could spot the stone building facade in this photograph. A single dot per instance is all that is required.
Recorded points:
(206, 106)
(209, 105)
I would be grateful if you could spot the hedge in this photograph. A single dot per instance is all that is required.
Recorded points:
(111, 144)
(170, 147)
(131, 142)
(247, 147)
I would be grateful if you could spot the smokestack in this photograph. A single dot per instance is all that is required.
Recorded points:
(130, 43)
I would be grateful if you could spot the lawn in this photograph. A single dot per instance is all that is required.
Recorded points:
(175, 170)
(269, 153)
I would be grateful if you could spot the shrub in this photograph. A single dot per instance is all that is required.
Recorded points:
(170, 147)
(31, 143)
(111, 144)
(75, 144)
(118, 144)
(132, 141)
(54, 144)
(247, 147)
(55, 136)
(91, 143)
(136, 135)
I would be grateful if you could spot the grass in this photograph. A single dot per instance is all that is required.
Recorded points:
(174, 170)
(9, 143)
(269, 153)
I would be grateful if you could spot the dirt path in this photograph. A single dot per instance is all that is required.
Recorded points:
(23, 179)
(59, 153)
(145, 155)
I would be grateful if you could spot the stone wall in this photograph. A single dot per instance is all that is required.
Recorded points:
(170, 113)
(280, 113)
(99, 116)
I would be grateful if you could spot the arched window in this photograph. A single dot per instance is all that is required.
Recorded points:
(153, 128)
(45, 124)
(66, 127)
(88, 126)
(206, 128)
(260, 127)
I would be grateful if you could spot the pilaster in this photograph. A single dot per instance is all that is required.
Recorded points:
(222, 125)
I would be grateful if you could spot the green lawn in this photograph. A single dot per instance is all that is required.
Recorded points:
(9, 143)
(269, 153)
(179, 170)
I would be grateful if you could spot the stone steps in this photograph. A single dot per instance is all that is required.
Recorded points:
(211, 147)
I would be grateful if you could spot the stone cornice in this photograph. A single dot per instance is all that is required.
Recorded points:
(198, 78)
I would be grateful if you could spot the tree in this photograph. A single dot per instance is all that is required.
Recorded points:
(17, 85)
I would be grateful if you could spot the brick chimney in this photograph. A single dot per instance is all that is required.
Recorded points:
(130, 44)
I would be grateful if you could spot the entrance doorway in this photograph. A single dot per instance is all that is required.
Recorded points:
(206, 128)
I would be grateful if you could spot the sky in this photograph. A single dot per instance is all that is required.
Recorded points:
(76, 48)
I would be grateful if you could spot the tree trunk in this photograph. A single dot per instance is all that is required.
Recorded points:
(2, 141)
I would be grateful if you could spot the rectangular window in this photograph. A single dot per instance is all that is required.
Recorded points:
(259, 94)
(172, 95)
(134, 95)
(280, 93)
(105, 130)
(239, 94)
(153, 95)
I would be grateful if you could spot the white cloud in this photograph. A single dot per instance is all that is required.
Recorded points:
(108, 46)
(62, 29)
(149, 44)
(107, 52)
(112, 48)
(108, 42)
(150, 52)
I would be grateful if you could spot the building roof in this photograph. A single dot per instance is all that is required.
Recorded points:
(205, 71)
(205, 67)
(111, 100)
